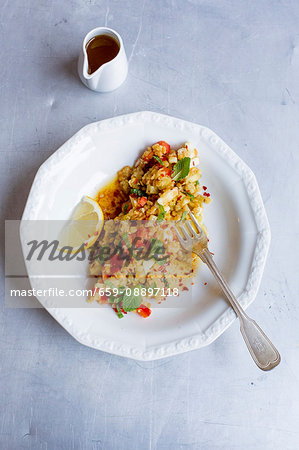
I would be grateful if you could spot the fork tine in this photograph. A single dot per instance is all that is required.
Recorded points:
(195, 222)
(185, 232)
(190, 228)
(182, 241)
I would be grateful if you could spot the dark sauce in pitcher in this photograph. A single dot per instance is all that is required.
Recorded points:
(100, 50)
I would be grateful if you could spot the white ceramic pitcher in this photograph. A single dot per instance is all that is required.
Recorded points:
(110, 75)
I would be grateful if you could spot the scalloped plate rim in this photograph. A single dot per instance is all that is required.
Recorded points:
(195, 341)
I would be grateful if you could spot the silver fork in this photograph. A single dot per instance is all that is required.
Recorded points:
(263, 352)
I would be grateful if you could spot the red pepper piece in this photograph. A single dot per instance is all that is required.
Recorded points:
(139, 244)
(165, 172)
(142, 232)
(116, 264)
(122, 310)
(165, 145)
(104, 298)
(144, 311)
(142, 201)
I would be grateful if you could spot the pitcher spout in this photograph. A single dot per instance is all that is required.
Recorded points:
(90, 80)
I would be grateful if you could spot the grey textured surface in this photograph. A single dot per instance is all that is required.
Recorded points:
(230, 65)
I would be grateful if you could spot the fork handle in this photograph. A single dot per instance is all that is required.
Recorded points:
(263, 352)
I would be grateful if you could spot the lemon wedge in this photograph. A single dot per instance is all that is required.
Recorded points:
(84, 226)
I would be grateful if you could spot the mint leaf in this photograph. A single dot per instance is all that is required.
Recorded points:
(159, 160)
(129, 303)
(109, 284)
(184, 215)
(119, 313)
(125, 238)
(138, 192)
(158, 252)
(155, 244)
(181, 169)
(190, 195)
(162, 213)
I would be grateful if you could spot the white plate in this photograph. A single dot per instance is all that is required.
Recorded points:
(236, 219)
